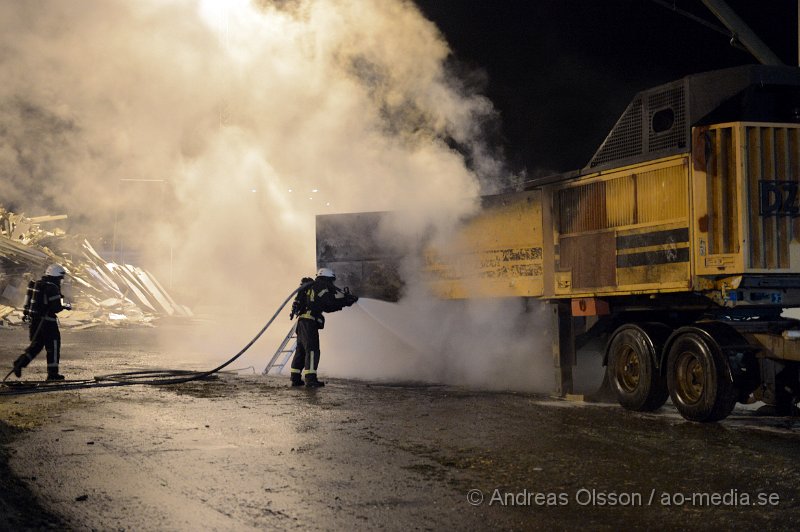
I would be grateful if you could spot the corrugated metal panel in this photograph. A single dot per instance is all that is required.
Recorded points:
(646, 197)
(662, 195)
(621, 201)
(582, 208)
(723, 215)
(771, 156)
(752, 138)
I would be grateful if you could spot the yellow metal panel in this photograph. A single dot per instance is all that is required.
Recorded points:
(665, 248)
(782, 224)
(496, 253)
(620, 201)
(637, 289)
(723, 184)
(767, 171)
(717, 201)
(636, 277)
(624, 231)
(753, 168)
(774, 158)
(731, 164)
(770, 156)
(661, 194)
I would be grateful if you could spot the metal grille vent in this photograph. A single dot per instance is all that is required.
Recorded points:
(656, 122)
(625, 140)
(674, 137)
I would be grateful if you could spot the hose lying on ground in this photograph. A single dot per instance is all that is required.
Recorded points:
(153, 377)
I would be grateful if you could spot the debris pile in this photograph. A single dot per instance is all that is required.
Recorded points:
(100, 291)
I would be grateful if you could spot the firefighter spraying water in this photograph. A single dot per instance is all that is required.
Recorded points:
(315, 297)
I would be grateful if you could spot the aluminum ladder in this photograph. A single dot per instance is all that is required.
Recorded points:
(291, 339)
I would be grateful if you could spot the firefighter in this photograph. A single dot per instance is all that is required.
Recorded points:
(43, 302)
(321, 295)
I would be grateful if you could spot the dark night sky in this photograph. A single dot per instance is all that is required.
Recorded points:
(560, 72)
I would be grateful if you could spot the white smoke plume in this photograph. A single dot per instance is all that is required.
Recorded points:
(207, 134)
(498, 344)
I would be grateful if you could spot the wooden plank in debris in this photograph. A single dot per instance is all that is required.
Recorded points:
(50, 218)
(181, 310)
(106, 282)
(80, 280)
(89, 249)
(144, 279)
(125, 278)
(17, 252)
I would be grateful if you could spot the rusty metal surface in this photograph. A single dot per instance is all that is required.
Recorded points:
(591, 259)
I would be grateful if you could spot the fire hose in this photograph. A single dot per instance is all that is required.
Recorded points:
(149, 377)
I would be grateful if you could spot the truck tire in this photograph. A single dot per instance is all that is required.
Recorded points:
(632, 372)
(699, 378)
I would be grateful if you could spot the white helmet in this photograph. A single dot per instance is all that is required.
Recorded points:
(55, 270)
(326, 272)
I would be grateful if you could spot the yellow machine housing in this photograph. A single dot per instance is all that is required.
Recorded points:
(722, 221)
(679, 243)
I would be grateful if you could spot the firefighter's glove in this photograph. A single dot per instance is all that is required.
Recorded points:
(67, 306)
(26, 319)
(295, 309)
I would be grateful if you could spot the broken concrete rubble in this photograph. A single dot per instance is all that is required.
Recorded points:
(101, 292)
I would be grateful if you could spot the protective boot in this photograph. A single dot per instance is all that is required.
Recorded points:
(53, 375)
(297, 380)
(19, 363)
(312, 382)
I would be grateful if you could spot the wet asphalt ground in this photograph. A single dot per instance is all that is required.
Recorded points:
(244, 451)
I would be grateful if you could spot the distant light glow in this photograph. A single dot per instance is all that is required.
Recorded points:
(315, 190)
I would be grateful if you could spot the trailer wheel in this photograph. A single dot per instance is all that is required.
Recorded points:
(632, 372)
(699, 378)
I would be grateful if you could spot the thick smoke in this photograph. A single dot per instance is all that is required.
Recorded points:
(500, 344)
(207, 134)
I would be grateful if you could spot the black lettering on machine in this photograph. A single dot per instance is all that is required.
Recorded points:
(778, 198)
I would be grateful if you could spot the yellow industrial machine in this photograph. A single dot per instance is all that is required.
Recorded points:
(678, 243)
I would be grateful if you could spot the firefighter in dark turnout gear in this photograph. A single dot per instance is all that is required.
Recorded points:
(318, 297)
(43, 302)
